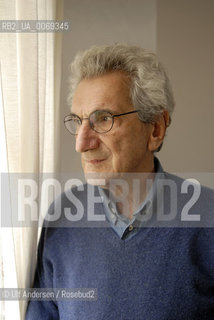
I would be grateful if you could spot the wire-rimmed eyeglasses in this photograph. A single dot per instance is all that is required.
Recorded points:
(101, 121)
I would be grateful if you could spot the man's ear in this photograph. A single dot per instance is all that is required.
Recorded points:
(158, 131)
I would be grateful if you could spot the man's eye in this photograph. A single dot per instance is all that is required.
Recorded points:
(76, 121)
(103, 118)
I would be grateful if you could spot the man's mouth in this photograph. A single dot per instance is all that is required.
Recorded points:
(94, 161)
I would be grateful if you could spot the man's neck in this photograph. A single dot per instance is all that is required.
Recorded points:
(129, 190)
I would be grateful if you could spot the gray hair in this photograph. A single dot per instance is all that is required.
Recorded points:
(150, 89)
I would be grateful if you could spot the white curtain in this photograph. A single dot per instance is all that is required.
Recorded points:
(30, 81)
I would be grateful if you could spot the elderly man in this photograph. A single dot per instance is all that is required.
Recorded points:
(140, 242)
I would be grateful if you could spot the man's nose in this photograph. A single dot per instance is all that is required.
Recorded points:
(86, 138)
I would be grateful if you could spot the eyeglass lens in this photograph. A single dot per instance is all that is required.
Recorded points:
(100, 121)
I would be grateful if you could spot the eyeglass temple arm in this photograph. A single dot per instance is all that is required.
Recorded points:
(123, 114)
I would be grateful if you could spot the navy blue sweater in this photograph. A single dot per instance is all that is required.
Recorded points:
(158, 274)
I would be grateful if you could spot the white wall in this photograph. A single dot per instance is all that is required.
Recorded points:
(185, 33)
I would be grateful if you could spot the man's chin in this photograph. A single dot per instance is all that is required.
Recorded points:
(100, 179)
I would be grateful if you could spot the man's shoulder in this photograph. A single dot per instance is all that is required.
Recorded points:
(184, 183)
(194, 202)
(75, 207)
(70, 196)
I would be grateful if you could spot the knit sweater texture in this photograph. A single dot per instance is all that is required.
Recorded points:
(161, 273)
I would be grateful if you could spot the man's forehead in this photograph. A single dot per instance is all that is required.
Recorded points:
(107, 92)
(110, 81)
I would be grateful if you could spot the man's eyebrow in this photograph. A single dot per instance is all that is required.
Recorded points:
(97, 109)
(106, 109)
(74, 114)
